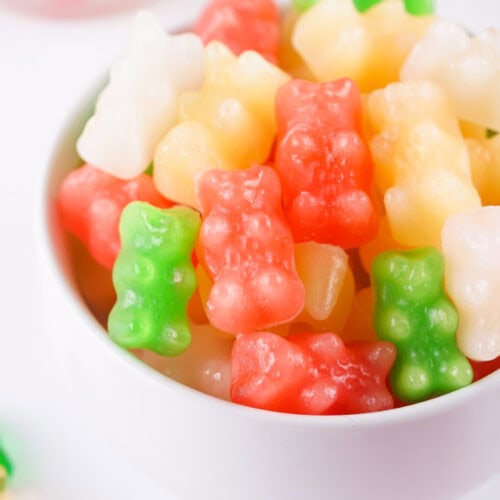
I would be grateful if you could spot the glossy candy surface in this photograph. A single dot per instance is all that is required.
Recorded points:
(90, 204)
(421, 161)
(154, 278)
(310, 373)
(229, 123)
(242, 25)
(337, 41)
(324, 164)
(205, 366)
(413, 312)
(471, 247)
(139, 103)
(466, 67)
(247, 249)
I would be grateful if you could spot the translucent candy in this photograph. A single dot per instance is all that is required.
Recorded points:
(311, 373)
(247, 249)
(467, 67)
(228, 124)
(337, 41)
(471, 247)
(413, 311)
(205, 365)
(484, 154)
(421, 162)
(139, 104)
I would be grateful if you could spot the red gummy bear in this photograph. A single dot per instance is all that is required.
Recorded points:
(90, 204)
(311, 373)
(324, 163)
(246, 247)
(242, 25)
(484, 368)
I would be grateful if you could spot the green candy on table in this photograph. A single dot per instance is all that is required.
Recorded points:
(303, 5)
(413, 312)
(414, 7)
(154, 278)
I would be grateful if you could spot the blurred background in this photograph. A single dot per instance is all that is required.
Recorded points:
(51, 52)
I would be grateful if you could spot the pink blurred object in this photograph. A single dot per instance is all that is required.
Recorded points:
(71, 8)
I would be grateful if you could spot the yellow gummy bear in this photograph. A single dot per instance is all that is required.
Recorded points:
(228, 124)
(337, 41)
(484, 154)
(290, 60)
(329, 283)
(421, 161)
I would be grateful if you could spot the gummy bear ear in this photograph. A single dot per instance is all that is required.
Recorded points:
(211, 187)
(289, 97)
(217, 60)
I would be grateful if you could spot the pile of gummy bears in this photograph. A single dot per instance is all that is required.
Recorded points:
(300, 210)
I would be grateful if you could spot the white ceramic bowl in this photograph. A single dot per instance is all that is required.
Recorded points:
(204, 448)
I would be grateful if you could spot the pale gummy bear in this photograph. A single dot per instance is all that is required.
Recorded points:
(139, 104)
(205, 365)
(336, 41)
(468, 68)
(228, 124)
(322, 268)
(471, 248)
(421, 161)
(484, 154)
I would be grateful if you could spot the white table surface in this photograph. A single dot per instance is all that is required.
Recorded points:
(45, 65)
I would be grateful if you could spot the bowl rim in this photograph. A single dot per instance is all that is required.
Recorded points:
(48, 258)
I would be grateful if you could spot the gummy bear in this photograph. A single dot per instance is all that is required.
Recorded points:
(90, 203)
(289, 59)
(324, 164)
(139, 104)
(329, 285)
(228, 124)
(322, 268)
(310, 373)
(242, 25)
(154, 278)
(205, 365)
(484, 154)
(471, 245)
(247, 249)
(421, 161)
(413, 312)
(466, 67)
(337, 41)
(484, 368)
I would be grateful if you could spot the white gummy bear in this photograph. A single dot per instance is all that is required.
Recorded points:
(468, 68)
(471, 248)
(139, 104)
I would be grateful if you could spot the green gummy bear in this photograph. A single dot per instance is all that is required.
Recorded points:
(303, 5)
(154, 278)
(414, 7)
(413, 312)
